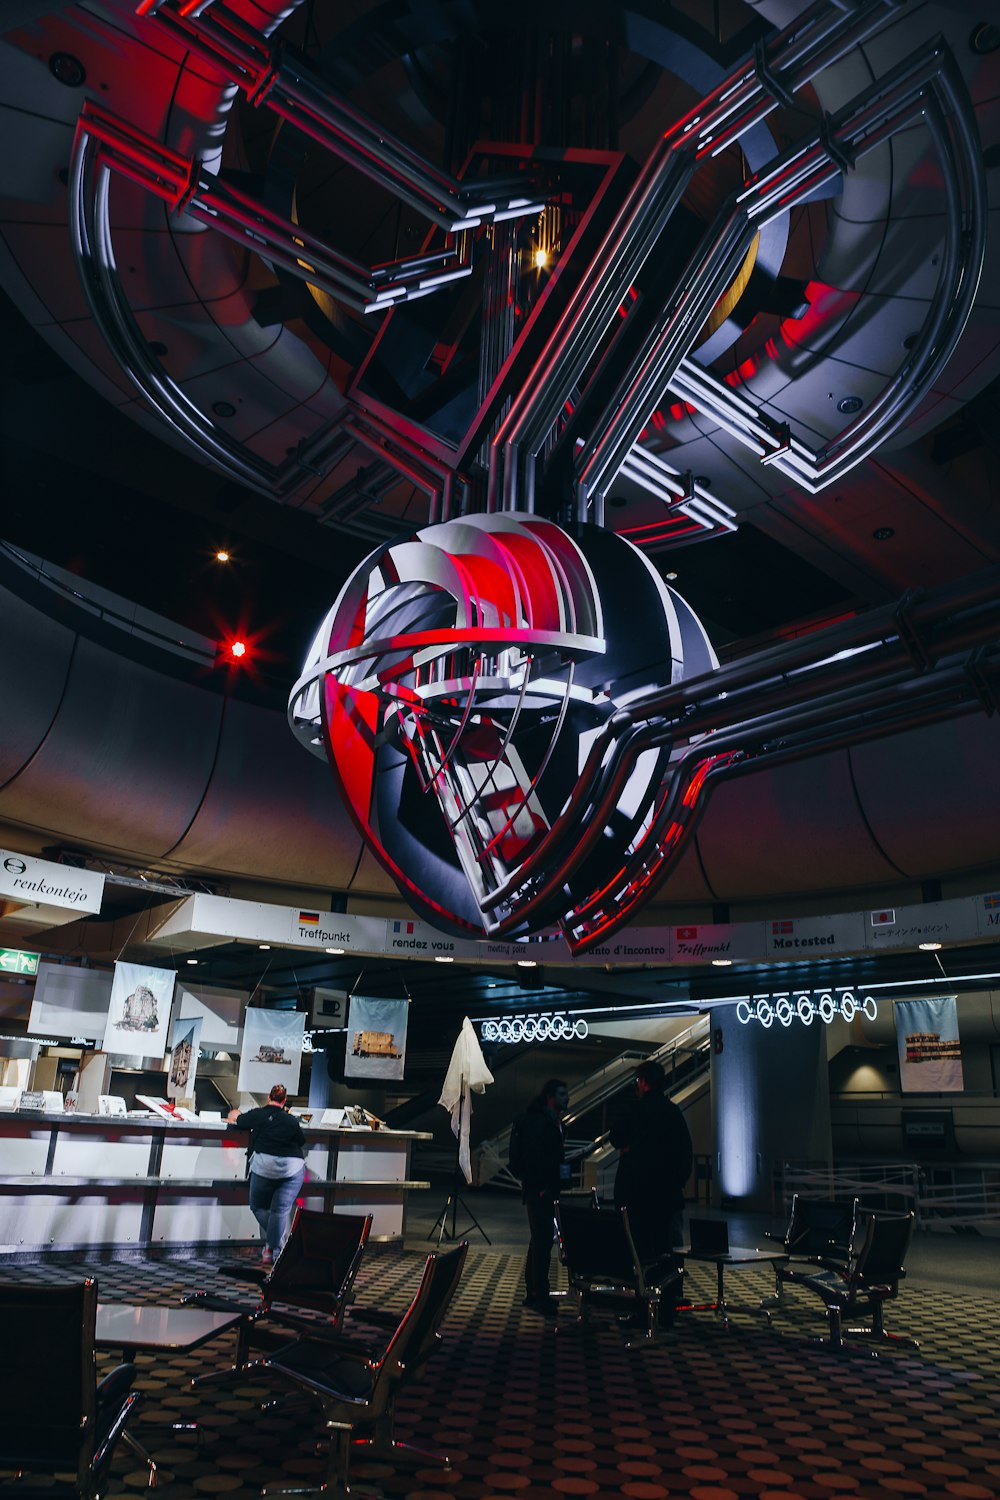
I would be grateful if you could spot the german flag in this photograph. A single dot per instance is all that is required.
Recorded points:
(308, 918)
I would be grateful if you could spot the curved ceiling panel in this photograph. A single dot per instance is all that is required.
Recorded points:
(929, 796)
(269, 810)
(34, 664)
(789, 830)
(126, 761)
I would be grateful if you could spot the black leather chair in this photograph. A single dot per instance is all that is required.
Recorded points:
(356, 1390)
(314, 1271)
(867, 1282)
(56, 1419)
(604, 1268)
(819, 1229)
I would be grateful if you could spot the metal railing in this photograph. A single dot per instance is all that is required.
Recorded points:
(945, 1195)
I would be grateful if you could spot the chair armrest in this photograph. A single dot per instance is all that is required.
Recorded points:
(221, 1304)
(115, 1386)
(830, 1263)
(243, 1271)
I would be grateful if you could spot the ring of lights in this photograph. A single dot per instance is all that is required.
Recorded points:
(535, 1029)
(805, 1006)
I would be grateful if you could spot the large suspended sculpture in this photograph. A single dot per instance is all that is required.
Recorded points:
(464, 687)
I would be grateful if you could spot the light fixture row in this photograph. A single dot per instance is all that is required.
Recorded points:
(805, 1006)
(557, 1028)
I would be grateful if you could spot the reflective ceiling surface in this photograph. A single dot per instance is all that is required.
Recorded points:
(204, 389)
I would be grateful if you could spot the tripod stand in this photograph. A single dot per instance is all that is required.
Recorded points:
(454, 1199)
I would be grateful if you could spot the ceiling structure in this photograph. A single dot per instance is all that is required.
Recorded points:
(238, 312)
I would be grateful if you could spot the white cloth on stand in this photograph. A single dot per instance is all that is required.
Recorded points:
(467, 1075)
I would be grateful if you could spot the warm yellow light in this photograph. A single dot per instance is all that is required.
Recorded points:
(541, 259)
(222, 555)
(929, 947)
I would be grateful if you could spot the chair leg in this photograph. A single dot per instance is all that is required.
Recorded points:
(879, 1331)
(383, 1447)
(836, 1327)
(131, 1441)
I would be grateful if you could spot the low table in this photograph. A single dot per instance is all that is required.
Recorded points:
(132, 1326)
(735, 1257)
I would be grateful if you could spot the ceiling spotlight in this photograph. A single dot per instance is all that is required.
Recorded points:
(224, 408)
(223, 556)
(722, 963)
(192, 960)
(929, 947)
(849, 405)
(541, 259)
(883, 533)
(443, 958)
(67, 69)
(264, 946)
(985, 38)
(670, 577)
(335, 950)
(527, 963)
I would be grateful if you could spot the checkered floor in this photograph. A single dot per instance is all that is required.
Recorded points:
(526, 1408)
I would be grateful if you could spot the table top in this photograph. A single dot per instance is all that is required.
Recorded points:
(127, 1325)
(736, 1255)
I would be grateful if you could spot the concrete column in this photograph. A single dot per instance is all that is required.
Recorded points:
(770, 1103)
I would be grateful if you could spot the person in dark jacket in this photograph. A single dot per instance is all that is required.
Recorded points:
(654, 1165)
(277, 1165)
(544, 1173)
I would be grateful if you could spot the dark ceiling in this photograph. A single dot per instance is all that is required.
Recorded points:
(90, 486)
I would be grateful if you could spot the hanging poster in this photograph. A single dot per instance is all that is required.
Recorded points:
(139, 1011)
(930, 1053)
(376, 1037)
(272, 1050)
(185, 1037)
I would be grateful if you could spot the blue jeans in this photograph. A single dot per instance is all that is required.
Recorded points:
(271, 1202)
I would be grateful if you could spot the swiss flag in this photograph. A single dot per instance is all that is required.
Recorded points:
(687, 933)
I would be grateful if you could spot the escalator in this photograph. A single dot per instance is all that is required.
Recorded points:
(686, 1060)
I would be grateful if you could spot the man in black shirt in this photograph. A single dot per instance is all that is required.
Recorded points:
(655, 1163)
(543, 1173)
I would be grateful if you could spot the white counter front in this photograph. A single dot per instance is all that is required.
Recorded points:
(78, 1182)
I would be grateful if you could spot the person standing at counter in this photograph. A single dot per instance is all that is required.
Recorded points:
(277, 1165)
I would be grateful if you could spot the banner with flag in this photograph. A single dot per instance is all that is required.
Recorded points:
(930, 1053)
(376, 1037)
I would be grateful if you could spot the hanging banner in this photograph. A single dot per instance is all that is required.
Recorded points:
(930, 1053)
(272, 1050)
(139, 1012)
(185, 1037)
(376, 1037)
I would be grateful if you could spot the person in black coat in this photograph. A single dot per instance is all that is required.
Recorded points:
(277, 1165)
(654, 1165)
(544, 1172)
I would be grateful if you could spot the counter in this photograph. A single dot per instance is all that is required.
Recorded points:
(80, 1182)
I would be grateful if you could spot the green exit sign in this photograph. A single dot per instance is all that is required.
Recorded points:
(13, 961)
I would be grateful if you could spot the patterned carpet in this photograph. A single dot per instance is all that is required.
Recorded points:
(528, 1409)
